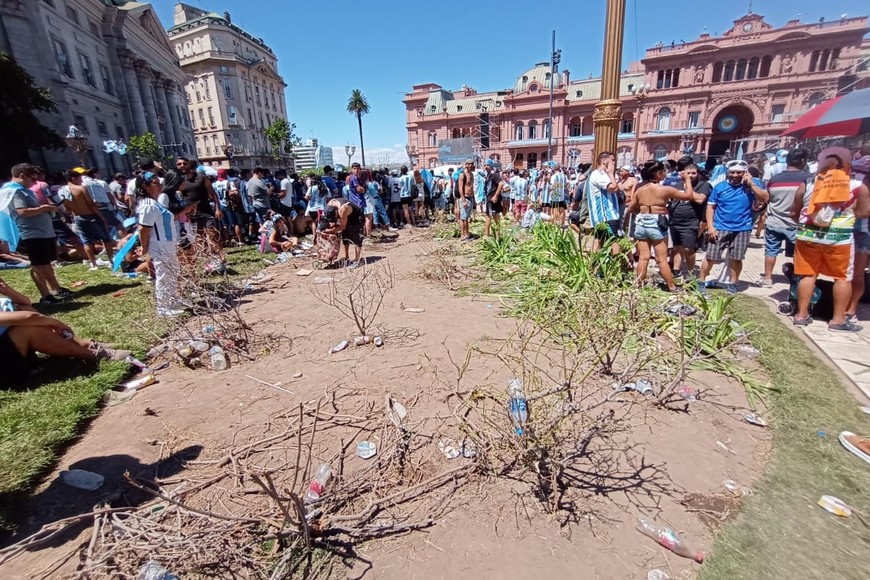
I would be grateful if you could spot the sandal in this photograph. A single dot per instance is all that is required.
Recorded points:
(847, 326)
(803, 321)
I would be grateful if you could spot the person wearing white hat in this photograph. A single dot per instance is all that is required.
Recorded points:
(775, 166)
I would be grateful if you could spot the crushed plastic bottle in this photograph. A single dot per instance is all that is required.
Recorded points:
(318, 484)
(218, 358)
(657, 575)
(748, 351)
(667, 538)
(361, 340)
(154, 571)
(688, 394)
(518, 408)
(339, 347)
(82, 479)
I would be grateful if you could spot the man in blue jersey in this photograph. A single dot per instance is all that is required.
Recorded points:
(604, 203)
(558, 187)
(406, 181)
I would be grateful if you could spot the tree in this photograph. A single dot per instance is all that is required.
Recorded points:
(280, 135)
(20, 130)
(359, 106)
(144, 145)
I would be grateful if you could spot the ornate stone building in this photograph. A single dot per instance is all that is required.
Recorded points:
(732, 93)
(234, 91)
(110, 69)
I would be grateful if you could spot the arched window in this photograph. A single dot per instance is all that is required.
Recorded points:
(668, 79)
(753, 67)
(663, 119)
(588, 126)
(533, 129)
(627, 123)
(533, 160)
(432, 141)
(835, 56)
(546, 129)
(456, 133)
(623, 156)
(576, 127)
(717, 71)
(660, 153)
(518, 161)
(823, 61)
(518, 131)
(660, 80)
(815, 99)
(675, 82)
(814, 60)
(729, 71)
(740, 73)
(765, 66)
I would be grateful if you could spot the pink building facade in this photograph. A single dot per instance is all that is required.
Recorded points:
(714, 95)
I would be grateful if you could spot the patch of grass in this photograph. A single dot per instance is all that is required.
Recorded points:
(48, 412)
(781, 532)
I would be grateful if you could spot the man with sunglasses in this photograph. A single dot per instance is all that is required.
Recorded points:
(729, 221)
(196, 189)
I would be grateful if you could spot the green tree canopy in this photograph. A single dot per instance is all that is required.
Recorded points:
(358, 105)
(280, 135)
(144, 145)
(20, 129)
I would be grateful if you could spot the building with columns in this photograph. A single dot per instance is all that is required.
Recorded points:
(234, 91)
(110, 69)
(714, 95)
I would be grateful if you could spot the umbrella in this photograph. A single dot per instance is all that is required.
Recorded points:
(847, 115)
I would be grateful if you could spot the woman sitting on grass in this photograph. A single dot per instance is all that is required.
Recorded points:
(280, 238)
(24, 331)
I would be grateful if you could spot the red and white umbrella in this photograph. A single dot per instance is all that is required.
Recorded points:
(846, 116)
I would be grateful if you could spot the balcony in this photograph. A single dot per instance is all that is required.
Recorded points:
(675, 132)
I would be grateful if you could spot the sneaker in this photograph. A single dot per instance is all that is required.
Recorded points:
(103, 353)
(48, 300)
(764, 282)
(847, 326)
(802, 321)
(392, 229)
(855, 444)
(101, 262)
(731, 288)
(63, 293)
(93, 268)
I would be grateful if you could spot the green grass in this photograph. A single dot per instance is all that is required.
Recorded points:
(37, 421)
(781, 532)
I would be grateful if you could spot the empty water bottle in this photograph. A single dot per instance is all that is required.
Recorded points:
(154, 571)
(82, 479)
(218, 359)
(198, 345)
(518, 408)
(668, 538)
(318, 484)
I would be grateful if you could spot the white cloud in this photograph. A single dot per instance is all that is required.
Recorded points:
(375, 156)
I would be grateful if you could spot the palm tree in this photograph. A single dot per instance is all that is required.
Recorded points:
(359, 106)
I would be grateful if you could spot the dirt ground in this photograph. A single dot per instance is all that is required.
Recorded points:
(493, 528)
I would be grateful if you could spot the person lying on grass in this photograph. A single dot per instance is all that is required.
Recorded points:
(24, 331)
(10, 259)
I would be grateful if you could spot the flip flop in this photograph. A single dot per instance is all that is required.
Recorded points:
(854, 443)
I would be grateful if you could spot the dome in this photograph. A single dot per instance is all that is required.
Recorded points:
(539, 73)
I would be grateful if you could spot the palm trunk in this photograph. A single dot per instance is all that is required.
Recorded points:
(362, 147)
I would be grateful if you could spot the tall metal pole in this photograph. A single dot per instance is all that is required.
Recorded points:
(552, 80)
(608, 109)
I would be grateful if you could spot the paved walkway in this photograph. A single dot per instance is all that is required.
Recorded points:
(850, 352)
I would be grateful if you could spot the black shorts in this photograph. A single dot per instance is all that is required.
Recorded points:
(315, 215)
(15, 366)
(405, 201)
(685, 235)
(559, 204)
(494, 209)
(40, 251)
(352, 233)
(575, 218)
(204, 222)
(613, 230)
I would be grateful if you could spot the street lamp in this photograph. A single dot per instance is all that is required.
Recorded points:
(349, 150)
(640, 93)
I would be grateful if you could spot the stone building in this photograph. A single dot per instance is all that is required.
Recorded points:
(234, 91)
(111, 70)
(733, 93)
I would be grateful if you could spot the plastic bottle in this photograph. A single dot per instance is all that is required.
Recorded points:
(154, 571)
(208, 329)
(198, 345)
(668, 538)
(82, 479)
(318, 484)
(218, 359)
(518, 408)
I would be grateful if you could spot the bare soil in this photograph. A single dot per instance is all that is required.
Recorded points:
(491, 528)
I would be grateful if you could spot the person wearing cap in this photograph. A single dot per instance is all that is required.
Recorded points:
(343, 218)
(729, 221)
(824, 243)
(775, 166)
(780, 229)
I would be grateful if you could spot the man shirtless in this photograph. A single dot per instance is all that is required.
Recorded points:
(465, 189)
(626, 183)
(89, 220)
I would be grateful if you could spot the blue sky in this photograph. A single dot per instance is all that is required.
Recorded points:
(383, 48)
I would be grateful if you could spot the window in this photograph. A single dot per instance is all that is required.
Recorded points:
(777, 112)
(626, 125)
(72, 14)
(823, 61)
(198, 148)
(198, 96)
(119, 132)
(432, 140)
(717, 71)
(257, 94)
(676, 78)
(660, 80)
(211, 117)
(102, 129)
(815, 99)
(232, 115)
(814, 60)
(660, 153)
(533, 160)
(729, 71)
(576, 127)
(87, 72)
(533, 129)
(694, 119)
(207, 92)
(578, 94)
(547, 129)
(224, 69)
(663, 119)
(201, 118)
(228, 89)
(192, 121)
(81, 123)
(765, 66)
(518, 131)
(740, 72)
(61, 57)
(754, 62)
(107, 80)
(214, 143)
(588, 126)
